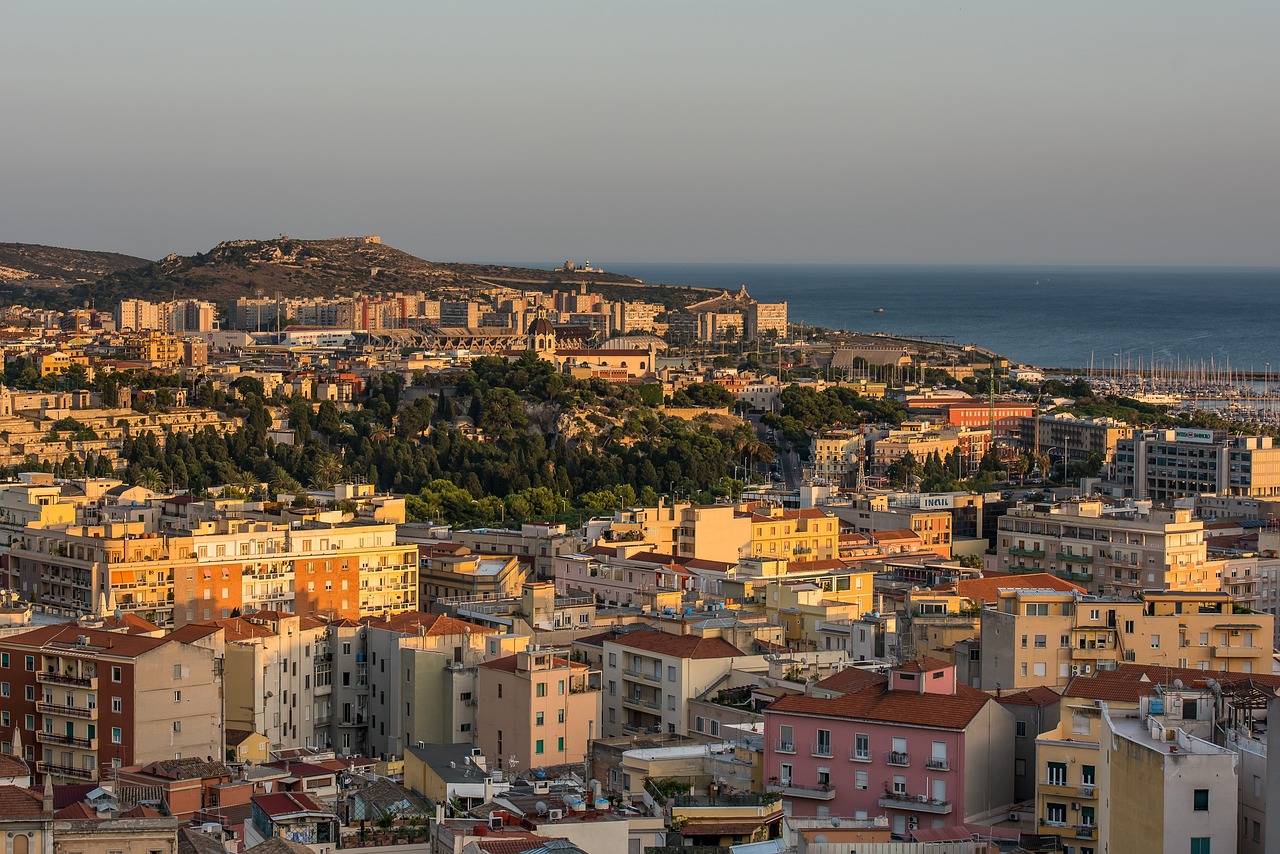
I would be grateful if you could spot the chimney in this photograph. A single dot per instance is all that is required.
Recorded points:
(47, 806)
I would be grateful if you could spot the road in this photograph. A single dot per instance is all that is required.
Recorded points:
(789, 461)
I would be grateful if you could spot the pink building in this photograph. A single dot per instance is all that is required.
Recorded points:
(913, 745)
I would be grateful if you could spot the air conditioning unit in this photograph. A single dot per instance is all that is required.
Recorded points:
(1235, 633)
(495, 822)
(1088, 668)
(1013, 816)
(913, 823)
(1075, 670)
(1075, 807)
(555, 815)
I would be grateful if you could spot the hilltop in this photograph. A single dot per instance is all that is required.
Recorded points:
(303, 268)
(29, 269)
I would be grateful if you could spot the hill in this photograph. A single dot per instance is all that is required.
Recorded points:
(31, 265)
(302, 268)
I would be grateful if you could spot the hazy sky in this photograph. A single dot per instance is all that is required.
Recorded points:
(1040, 132)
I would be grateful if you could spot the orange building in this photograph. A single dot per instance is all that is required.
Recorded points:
(537, 707)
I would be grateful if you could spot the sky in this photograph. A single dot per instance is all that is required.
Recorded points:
(845, 132)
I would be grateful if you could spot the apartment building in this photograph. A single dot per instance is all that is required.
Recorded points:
(874, 517)
(1062, 433)
(715, 532)
(1109, 551)
(801, 606)
(536, 706)
(799, 535)
(536, 544)
(1164, 465)
(912, 745)
(627, 574)
(922, 439)
(1167, 790)
(272, 684)
(1045, 637)
(1005, 415)
(81, 699)
(839, 456)
(420, 677)
(453, 571)
(650, 676)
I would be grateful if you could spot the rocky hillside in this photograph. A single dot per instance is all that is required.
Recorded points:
(30, 261)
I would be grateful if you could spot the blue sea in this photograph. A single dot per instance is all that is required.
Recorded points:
(1050, 316)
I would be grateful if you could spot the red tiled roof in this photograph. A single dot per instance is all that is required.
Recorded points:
(508, 663)
(680, 646)
(1037, 696)
(511, 843)
(428, 625)
(102, 642)
(240, 629)
(131, 623)
(13, 766)
(984, 589)
(78, 810)
(923, 664)
(1130, 682)
(285, 803)
(874, 703)
(17, 802)
(851, 679)
(141, 811)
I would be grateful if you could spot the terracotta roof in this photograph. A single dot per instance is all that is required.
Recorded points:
(78, 810)
(851, 679)
(239, 629)
(1130, 682)
(103, 643)
(511, 843)
(286, 803)
(874, 703)
(130, 624)
(985, 589)
(17, 802)
(304, 621)
(13, 766)
(825, 565)
(680, 646)
(1037, 696)
(67, 794)
(427, 625)
(191, 633)
(141, 811)
(509, 663)
(923, 664)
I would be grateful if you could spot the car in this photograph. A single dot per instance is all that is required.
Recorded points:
(775, 477)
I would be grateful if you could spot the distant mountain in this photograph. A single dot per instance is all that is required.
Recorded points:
(33, 263)
(301, 268)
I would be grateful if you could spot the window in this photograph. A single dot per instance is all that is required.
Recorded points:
(4, 689)
(1087, 775)
(4, 659)
(1042, 641)
(177, 726)
(1200, 800)
(859, 779)
(1055, 813)
(537, 747)
(115, 674)
(671, 674)
(30, 663)
(823, 747)
(899, 784)
(613, 659)
(560, 744)
(862, 746)
(787, 739)
(541, 690)
(538, 719)
(1057, 775)
(499, 690)
(1155, 641)
(116, 735)
(1200, 845)
(117, 705)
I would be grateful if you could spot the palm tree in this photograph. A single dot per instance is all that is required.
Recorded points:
(248, 483)
(150, 478)
(328, 471)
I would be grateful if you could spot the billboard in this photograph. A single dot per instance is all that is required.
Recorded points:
(1193, 434)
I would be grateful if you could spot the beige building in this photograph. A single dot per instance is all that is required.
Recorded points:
(1045, 637)
(1108, 551)
(650, 676)
(802, 606)
(452, 571)
(801, 535)
(537, 707)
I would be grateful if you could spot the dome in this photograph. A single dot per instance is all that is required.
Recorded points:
(542, 326)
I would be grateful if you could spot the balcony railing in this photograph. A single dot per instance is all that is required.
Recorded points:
(918, 803)
(817, 791)
(901, 759)
(856, 755)
(61, 679)
(780, 746)
(1236, 651)
(1085, 831)
(65, 711)
(66, 771)
(641, 703)
(937, 763)
(1068, 575)
(821, 750)
(61, 738)
(1014, 550)
(1072, 558)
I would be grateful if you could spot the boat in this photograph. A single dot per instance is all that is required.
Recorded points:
(879, 311)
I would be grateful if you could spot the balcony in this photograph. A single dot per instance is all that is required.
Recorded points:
(66, 771)
(1085, 831)
(1058, 787)
(68, 740)
(323, 718)
(639, 703)
(1072, 558)
(816, 792)
(856, 755)
(1014, 550)
(916, 803)
(1236, 651)
(49, 678)
(822, 750)
(1068, 575)
(1022, 567)
(937, 763)
(66, 711)
(893, 757)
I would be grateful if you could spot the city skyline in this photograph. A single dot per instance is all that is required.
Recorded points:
(832, 133)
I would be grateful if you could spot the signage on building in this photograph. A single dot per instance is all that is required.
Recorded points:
(937, 502)
(1189, 434)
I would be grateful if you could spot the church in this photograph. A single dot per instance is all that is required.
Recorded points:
(615, 364)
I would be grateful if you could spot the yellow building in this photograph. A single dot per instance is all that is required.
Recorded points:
(450, 571)
(800, 605)
(155, 348)
(1067, 801)
(1044, 637)
(802, 535)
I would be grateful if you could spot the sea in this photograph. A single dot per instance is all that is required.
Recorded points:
(1047, 316)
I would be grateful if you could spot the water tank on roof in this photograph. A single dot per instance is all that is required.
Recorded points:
(1157, 705)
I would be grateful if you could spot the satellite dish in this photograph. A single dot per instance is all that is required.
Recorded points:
(1177, 683)
(820, 839)
(835, 821)
(541, 807)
